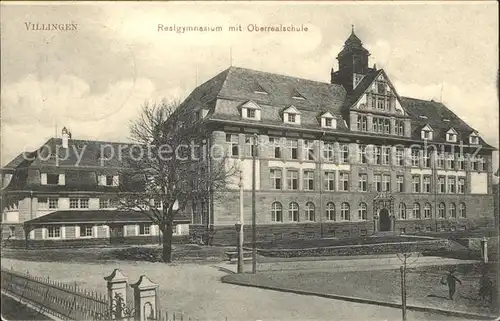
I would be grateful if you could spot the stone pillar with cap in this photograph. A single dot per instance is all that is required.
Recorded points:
(145, 299)
(117, 293)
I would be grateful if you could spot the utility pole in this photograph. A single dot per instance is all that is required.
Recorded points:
(254, 216)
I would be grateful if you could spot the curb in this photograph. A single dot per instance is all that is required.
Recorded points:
(365, 301)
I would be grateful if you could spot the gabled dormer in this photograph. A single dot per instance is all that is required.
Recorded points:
(327, 120)
(427, 132)
(250, 110)
(291, 115)
(474, 138)
(451, 135)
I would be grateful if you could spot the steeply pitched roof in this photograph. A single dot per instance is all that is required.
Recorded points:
(435, 113)
(239, 85)
(353, 44)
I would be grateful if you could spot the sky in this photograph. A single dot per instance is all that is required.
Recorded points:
(94, 79)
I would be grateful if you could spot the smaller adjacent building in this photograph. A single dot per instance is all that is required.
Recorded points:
(66, 191)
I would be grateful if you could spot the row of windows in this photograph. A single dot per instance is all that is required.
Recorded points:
(378, 155)
(362, 210)
(60, 179)
(417, 212)
(380, 183)
(74, 203)
(380, 125)
(87, 230)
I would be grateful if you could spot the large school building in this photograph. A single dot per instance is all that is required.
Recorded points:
(344, 158)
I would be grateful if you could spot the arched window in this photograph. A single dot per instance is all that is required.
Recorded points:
(330, 211)
(310, 211)
(462, 211)
(293, 212)
(452, 210)
(402, 211)
(362, 211)
(416, 211)
(442, 210)
(276, 212)
(427, 210)
(345, 212)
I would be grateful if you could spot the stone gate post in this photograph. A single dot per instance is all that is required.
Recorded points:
(117, 293)
(145, 299)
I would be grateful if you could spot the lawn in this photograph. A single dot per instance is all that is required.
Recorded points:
(151, 253)
(316, 243)
(423, 285)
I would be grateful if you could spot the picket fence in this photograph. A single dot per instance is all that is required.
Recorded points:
(66, 301)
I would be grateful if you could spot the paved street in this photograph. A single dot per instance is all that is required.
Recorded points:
(196, 290)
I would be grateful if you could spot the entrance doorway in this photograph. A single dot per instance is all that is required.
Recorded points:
(385, 220)
(116, 234)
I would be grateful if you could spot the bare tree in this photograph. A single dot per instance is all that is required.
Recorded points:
(169, 166)
(407, 255)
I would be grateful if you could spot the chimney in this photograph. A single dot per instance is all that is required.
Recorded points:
(66, 135)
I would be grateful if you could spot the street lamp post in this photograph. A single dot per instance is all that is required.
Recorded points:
(239, 227)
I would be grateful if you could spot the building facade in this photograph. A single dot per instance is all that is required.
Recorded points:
(66, 193)
(340, 159)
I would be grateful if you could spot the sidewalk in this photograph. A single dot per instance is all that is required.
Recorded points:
(338, 264)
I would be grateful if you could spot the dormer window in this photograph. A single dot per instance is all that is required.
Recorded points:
(297, 95)
(201, 113)
(250, 110)
(291, 115)
(257, 89)
(357, 79)
(451, 136)
(427, 132)
(474, 139)
(328, 121)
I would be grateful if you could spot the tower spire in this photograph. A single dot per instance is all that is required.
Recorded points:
(352, 26)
